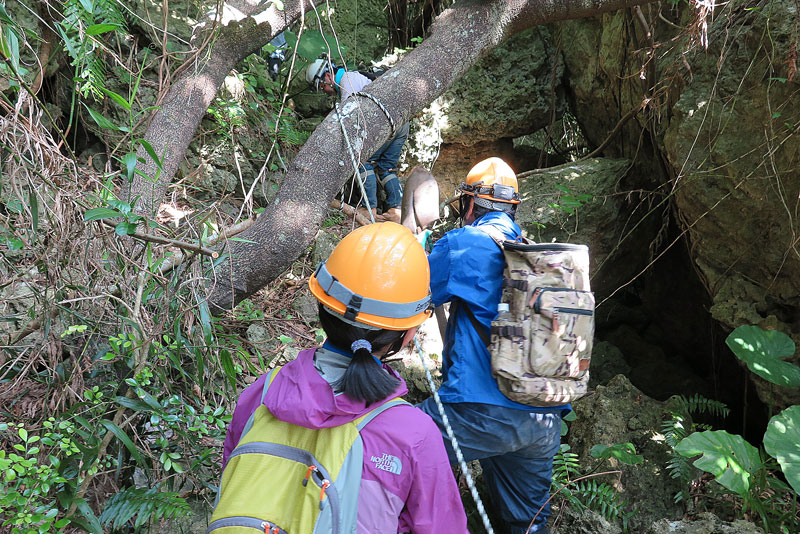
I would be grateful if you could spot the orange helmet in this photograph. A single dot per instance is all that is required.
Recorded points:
(490, 182)
(377, 275)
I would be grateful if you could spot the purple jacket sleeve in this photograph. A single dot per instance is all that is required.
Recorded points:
(248, 402)
(434, 504)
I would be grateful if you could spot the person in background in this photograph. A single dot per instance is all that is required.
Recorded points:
(277, 56)
(322, 75)
(514, 442)
(373, 292)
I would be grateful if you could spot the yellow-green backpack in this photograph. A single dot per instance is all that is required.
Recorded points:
(287, 479)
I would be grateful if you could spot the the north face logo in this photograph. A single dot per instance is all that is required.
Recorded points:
(387, 462)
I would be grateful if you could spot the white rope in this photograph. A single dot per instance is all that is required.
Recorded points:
(354, 162)
(463, 464)
(383, 108)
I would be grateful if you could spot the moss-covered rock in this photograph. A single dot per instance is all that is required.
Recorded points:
(719, 136)
(516, 89)
(580, 203)
(620, 413)
(735, 148)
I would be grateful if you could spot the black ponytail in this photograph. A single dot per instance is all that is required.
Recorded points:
(364, 379)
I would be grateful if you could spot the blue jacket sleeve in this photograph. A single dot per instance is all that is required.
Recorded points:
(440, 265)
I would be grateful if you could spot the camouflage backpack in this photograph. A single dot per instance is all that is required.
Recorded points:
(542, 345)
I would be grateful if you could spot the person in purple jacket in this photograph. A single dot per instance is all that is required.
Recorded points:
(373, 292)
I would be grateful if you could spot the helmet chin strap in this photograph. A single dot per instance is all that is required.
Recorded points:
(464, 208)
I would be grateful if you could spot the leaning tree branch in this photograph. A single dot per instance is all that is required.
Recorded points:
(460, 36)
(242, 27)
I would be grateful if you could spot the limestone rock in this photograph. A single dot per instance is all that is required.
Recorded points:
(706, 523)
(324, 243)
(572, 521)
(306, 306)
(620, 413)
(498, 98)
(548, 212)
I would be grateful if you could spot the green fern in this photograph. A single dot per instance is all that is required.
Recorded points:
(81, 28)
(146, 505)
(604, 499)
(697, 404)
(588, 493)
(677, 425)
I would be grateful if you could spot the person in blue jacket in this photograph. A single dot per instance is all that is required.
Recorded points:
(514, 442)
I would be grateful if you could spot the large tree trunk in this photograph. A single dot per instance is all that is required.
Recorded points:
(459, 37)
(244, 26)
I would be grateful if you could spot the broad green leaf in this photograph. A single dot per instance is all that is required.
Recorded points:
(88, 5)
(728, 457)
(123, 207)
(205, 318)
(4, 16)
(624, 452)
(91, 524)
(761, 350)
(130, 164)
(227, 365)
(313, 44)
(15, 206)
(133, 404)
(123, 437)
(150, 400)
(117, 98)
(97, 29)
(101, 121)
(782, 442)
(149, 149)
(124, 228)
(33, 202)
(14, 243)
(100, 213)
(9, 43)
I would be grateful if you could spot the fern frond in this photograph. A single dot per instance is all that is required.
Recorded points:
(678, 425)
(602, 498)
(700, 405)
(86, 48)
(109, 12)
(146, 505)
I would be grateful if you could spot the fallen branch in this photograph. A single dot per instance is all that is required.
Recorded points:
(167, 241)
(226, 233)
(350, 211)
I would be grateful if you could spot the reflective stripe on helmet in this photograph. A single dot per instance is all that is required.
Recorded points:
(357, 304)
(495, 206)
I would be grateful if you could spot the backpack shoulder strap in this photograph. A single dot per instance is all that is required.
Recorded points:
(249, 424)
(362, 421)
(496, 235)
(270, 377)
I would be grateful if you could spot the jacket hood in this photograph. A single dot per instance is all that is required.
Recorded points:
(300, 396)
(501, 221)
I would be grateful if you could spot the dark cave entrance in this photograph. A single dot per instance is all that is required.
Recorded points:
(668, 343)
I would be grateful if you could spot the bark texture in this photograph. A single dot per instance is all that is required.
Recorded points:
(460, 36)
(243, 27)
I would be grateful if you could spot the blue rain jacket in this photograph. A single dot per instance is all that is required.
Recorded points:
(467, 265)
